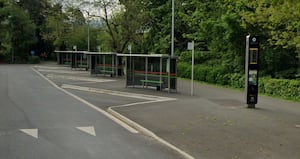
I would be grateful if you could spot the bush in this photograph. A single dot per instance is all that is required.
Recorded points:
(200, 72)
(288, 89)
(184, 70)
(34, 60)
(203, 73)
(237, 80)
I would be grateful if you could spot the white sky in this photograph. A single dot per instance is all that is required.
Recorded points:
(78, 3)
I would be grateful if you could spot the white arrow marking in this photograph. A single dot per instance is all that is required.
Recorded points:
(30, 132)
(89, 129)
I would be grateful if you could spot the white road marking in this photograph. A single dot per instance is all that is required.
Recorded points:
(113, 118)
(297, 126)
(30, 132)
(76, 78)
(130, 125)
(149, 133)
(52, 67)
(63, 71)
(88, 129)
(118, 93)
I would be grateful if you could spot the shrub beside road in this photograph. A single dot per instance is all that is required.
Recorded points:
(282, 88)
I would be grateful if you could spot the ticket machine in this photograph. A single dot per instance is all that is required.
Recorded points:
(251, 70)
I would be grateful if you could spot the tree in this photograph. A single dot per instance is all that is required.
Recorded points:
(19, 32)
(38, 11)
(56, 27)
(277, 22)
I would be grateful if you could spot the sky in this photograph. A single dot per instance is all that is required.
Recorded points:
(78, 3)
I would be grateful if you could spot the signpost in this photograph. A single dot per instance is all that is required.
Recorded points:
(74, 48)
(251, 70)
(130, 62)
(191, 47)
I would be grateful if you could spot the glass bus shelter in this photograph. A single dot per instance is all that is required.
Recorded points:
(154, 70)
(105, 63)
(77, 59)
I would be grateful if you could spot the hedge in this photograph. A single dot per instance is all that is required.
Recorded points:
(285, 88)
(33, 60)
(288, 89)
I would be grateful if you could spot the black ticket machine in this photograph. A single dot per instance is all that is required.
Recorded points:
(251, 70)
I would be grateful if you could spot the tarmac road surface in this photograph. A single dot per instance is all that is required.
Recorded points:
(38, 121)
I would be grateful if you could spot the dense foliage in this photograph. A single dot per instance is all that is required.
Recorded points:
(284, 88)
(218, 28)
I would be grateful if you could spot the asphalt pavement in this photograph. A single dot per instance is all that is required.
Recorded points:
(40, 121)
(214, 123)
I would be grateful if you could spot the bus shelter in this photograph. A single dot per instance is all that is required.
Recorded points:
(154, 70)
(105, 63)
(77, 59)
(63, 57)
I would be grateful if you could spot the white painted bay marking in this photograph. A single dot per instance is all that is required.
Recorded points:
(130, 127)
(52, 67)
(76, 78)
(113, 118)
(88, 129)
(63, 71)
(118, 93)
(30, 132)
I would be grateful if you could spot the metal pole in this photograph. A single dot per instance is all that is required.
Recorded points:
(173, 20)
(193, 61)
(130, 63)
(88, 22)
(12, 54)
(88, 35)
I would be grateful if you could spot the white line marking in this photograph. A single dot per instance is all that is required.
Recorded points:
(120, 119)
(88, 129)
(64, 72)
(52, 67)
(30, 132)
(145, 131)
(149, 133)
(116, 120)
(75, 78)
(84, 82)
(118, 93)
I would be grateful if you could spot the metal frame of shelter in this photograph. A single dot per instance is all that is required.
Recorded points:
(154, 70)
(77, 59)
(105, 63)
(63, 57)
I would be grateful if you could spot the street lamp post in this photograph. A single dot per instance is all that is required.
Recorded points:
(88, 30)
(13, 42)
(173, 21)
(88, 35)
(88, 23)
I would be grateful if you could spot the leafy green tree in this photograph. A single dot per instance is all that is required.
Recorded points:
(38, 11)
(56, 27)
(19, 32)
(277, 22)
